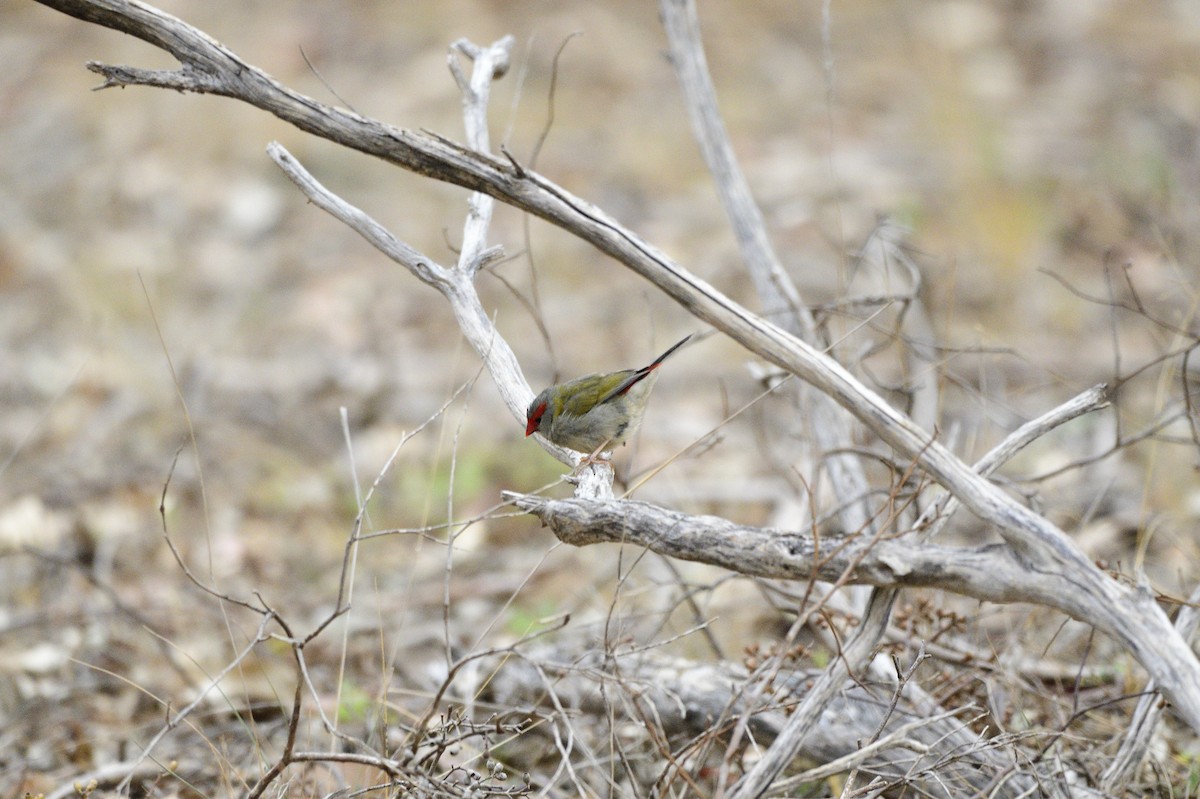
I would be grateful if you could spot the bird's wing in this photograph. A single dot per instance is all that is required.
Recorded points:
(631, 377)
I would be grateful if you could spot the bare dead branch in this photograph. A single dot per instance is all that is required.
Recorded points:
(992, 573)
(179, 717)
(852, 659)
(1148, 714)
(781, 299)
(1093, 399)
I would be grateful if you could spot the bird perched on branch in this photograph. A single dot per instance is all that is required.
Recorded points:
(595, 412)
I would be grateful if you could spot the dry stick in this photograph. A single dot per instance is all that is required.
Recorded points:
(175, 720)
(770, 279)
(345, 595)
(1099, 396)
(897, 738)
(289, 747)
(865, 545)
(689, 699)
(1047, 555)
(457, 286)
(884, 247)
(413, 740)
(488, 63)
(565, 763)
(991, 572)
(1148, 714)
(903, 679)
(853, 658)
(829, 428)
(349, 569)
(84, 784)
(269, 615)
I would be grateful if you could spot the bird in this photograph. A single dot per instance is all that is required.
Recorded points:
(598, 411)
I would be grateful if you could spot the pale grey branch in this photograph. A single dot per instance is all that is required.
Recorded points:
(1148, 713)
(852, 659)
(1093, 399)
(992, 573)
(456, 284)
(830, 427)
(770, 279)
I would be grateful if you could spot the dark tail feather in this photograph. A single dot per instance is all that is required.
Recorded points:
(666, 354)
(641, 374)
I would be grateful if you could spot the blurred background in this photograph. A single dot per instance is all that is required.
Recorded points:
(163, 285)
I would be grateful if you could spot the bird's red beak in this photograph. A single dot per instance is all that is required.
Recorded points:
(530, 427)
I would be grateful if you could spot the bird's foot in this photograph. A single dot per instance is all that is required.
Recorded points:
(596, 458)
(593, 478)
